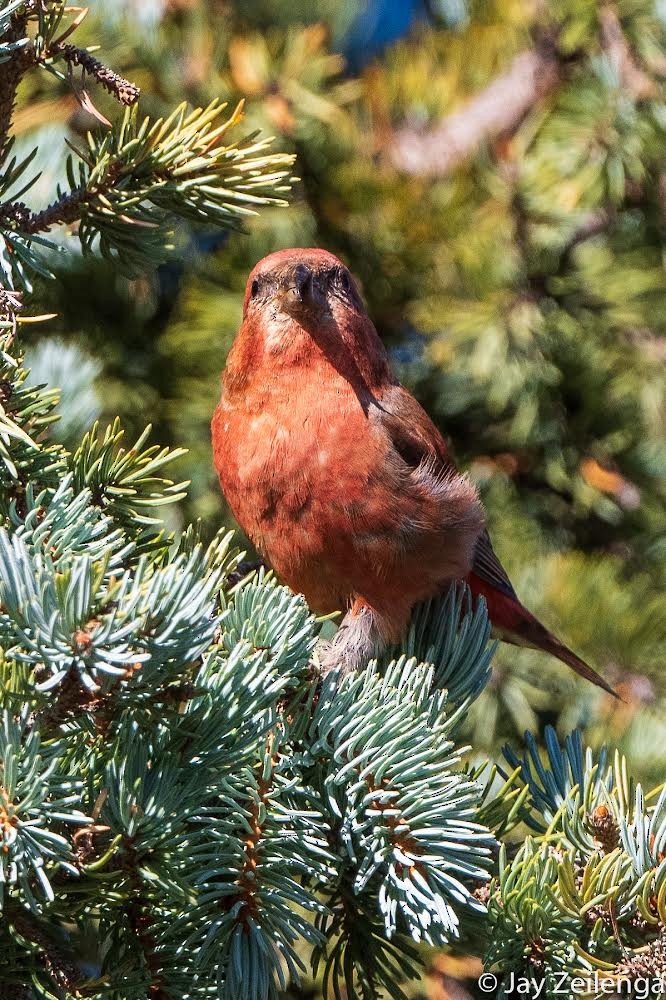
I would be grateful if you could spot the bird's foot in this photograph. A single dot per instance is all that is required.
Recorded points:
(356, 642)
(323, 657)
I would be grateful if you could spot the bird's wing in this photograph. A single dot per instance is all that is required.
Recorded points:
(414, 436)
(487, 566)
(419, 444)
(438, 507)
(417, 439)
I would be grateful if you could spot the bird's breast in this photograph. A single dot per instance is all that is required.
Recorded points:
(292, 460)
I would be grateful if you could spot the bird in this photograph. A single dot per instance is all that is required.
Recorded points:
(340, 478)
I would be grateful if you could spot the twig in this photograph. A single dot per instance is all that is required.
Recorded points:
(138, 915)
(57, 960)
(124, 91)
(63, 211)
(615, 45)
(501, 107)
(11, 72)
(497, 110)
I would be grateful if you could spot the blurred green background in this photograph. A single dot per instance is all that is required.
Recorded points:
(520, 287)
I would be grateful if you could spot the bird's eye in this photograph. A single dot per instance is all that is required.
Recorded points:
(254, 289)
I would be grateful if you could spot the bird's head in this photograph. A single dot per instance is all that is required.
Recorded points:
(299, 305)
(310, 287)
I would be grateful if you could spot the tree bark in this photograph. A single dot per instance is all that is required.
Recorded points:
(497, 110)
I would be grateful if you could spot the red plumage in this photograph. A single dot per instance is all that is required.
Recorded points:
(339, 476)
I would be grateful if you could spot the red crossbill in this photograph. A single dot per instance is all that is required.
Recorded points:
(339, 477)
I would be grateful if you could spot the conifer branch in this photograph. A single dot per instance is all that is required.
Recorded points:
(59, 962)
(502, 106)
(136, 178)
(140, 920)
(133, 182)
(180, 795)
(616, 46)
(11, 73)
(63, 211)
(124, 91)
(496, 111)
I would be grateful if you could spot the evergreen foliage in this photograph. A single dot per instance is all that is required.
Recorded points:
(585, 895)
(180, 793)
(519, 288)
(187, 808)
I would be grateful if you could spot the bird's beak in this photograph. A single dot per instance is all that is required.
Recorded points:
(301, 292)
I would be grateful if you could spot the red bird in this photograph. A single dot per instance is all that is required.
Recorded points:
(338, 475)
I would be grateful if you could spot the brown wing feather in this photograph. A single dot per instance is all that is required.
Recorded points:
(488, 567)
(432, 513)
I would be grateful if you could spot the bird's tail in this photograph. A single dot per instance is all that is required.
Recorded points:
(529, 631)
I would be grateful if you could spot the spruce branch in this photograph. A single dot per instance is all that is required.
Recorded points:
(13, 64)
(65, 210)
(446, 632)
(587, 894)
(142, 922)
(121, 480)
(124, 91)
(381, 741)
(135, 179)
(501, 107)
(359, 959)
(52, 947)
(36, 799)
(131, 184)
(50, 46)
(16, 425)
(496, 111)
